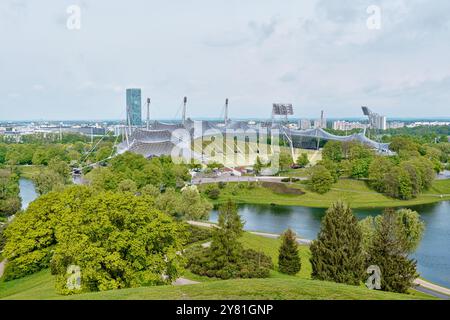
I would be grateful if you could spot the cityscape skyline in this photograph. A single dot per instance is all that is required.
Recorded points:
(316, 55)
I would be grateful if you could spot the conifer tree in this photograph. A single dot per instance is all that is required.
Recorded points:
(389, 252)
(289, 261)
(225, 247)
(337, 254)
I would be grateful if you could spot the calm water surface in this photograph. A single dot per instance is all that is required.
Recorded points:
(27, 192)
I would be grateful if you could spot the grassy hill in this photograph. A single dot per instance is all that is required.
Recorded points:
(40, 286)
(278, 286)
(354, 192)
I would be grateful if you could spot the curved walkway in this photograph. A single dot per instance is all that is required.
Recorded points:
(237, 179)
(432, 289)
(2, 267)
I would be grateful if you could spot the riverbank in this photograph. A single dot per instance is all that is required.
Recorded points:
(29, 171)
(355, 192)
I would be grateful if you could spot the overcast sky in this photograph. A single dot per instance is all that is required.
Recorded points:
(316, 54)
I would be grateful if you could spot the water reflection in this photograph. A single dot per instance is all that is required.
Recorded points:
(27, 192)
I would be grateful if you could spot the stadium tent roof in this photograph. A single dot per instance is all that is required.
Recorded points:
(320, 133)
(159, 139)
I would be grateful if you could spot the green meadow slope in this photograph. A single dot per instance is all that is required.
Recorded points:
(354, 192)
(278, 286)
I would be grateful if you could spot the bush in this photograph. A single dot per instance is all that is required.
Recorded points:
(251, 264)
(127, 185)
(10, 206)
(213, 191)
(225, 258)
(150, 190)
(235, 189)
(222, 185)
(197, 234)
(303, 160)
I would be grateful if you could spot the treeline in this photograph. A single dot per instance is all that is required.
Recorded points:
(39, 150)
(422, 134)
(157, 177)
(402, 176)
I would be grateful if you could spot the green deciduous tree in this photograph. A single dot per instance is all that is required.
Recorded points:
(47, 180)
(377, 170)
(127, 185)
(321, 179)
(118, 242)
(30, 238)
(285, 161)
(150, 190)
(389, 252)
(333, 151)
(192, 206)
(303, 160)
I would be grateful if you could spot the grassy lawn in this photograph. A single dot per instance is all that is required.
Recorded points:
(37, 287)
(278, 286)
(355, 192)
(270, 247)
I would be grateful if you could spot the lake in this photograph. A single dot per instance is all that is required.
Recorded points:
(433, 255)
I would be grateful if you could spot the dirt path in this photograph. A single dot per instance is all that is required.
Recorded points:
(2, 267)
(183, 282)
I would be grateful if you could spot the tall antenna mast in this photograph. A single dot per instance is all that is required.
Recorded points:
(226, 111)
(184, 110)
(148, 113)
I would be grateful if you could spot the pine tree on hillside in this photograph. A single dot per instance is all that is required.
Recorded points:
(337, 254)
(225, 247)
(289, 261)
(389, 252)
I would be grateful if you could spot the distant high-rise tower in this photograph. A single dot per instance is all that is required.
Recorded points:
(376, 121)
(134, 107)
